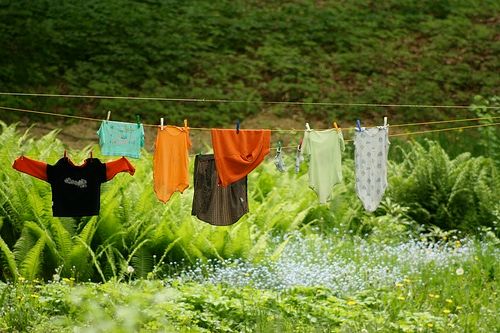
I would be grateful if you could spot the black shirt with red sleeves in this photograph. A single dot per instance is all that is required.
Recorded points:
(76, 189)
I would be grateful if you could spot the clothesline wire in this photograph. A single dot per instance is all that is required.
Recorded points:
(273, 130)
(215, 100)
(442, 122)
(50, 114)
(397, 134)
(418, 132)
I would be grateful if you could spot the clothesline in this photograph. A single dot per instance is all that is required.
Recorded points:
(394, 135)
(78, 193)
(419, 132)
(212, 100)
(273, 130)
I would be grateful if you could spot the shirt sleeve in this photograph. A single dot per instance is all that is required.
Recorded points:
(31, 167)
(117, 166)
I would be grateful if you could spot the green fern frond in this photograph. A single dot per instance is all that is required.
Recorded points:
(217, 238)
(79, 260)
(62, 238)
(279, 249)
(259, 247)
(31, 264)
(39, 233)
(170, 246)
(205, 246)
(7, 258)
(238, 242)
(93, 256)
(88, 231)
(110, 268)
(23, 245)
(107, 264)
(142, 262)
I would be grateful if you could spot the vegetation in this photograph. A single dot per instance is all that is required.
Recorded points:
(426, 260)
(134, 229)
(444, 288)
(290, 264)
(410, 52)
(447, 193)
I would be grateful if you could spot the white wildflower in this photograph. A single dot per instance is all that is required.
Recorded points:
(459, 271)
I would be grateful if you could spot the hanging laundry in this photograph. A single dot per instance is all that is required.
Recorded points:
(215, 204)
(76, 189)
(121, 139)
(278, 160)
(325, 167)
(299, 158)
(237, 154)
(371, 150)
(170, 161)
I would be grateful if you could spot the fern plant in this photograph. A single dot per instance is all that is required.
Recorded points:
(490, 135)
(136, 236)
(452, 194)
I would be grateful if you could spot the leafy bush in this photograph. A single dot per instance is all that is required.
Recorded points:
(457, 194)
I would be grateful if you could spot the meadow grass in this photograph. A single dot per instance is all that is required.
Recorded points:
(317, 285)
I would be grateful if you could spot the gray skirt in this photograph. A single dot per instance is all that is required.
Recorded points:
(213, 203)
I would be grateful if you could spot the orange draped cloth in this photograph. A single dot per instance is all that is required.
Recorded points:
(237, 154)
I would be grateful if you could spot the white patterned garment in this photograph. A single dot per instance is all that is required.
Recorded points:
(372, 146)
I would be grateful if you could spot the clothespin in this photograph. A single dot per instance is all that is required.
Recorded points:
(109, 115)
(237, 126)
(91, 154)
(300, 144)
(280, 144)
(335, 126)
(358, 125)
(308, 127)
(161, 124)
(385, 121)
(138, 120)
(185, 123)
(65, 153)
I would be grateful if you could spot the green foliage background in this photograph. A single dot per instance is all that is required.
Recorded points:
(396, 51)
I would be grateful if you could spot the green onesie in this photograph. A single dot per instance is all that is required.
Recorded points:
(325, 167)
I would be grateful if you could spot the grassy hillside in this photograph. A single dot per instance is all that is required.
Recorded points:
(395, 51)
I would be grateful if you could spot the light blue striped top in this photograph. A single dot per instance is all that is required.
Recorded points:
(121, 139)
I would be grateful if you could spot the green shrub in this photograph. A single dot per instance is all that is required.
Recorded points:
(457, 194)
